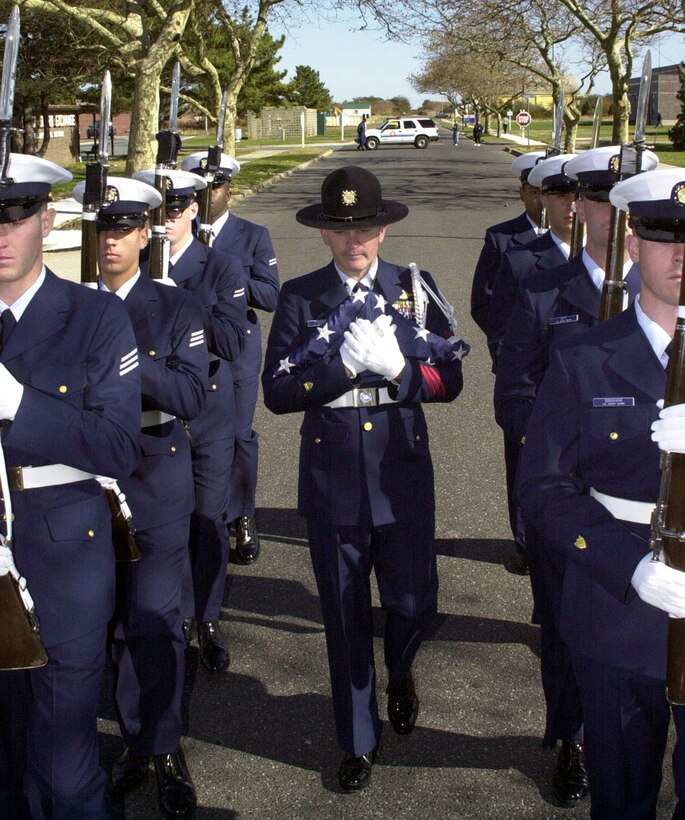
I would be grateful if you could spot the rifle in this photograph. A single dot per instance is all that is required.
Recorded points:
(125, 547)
(578, 228)
(668, 517)
(168, 146)
(94, 194)
(20, 643)
(614, 290)
(213, 164)
(554, 151)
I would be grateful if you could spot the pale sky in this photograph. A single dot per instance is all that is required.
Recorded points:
(356, 63)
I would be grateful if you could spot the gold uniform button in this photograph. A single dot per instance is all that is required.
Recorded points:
(317, 440)
(308, 385)
(418, 438)
(248, 332)
(523, 439)
(368, 425)
(91, 533)
(151, 352)
(173, 448)
(613, 436)
(213, 387)
(63, 388)
(580, 542)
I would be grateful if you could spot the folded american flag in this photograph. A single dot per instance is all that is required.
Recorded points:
(415, 342)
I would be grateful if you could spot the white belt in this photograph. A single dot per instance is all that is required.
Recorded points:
(362, 397)
(152, 418)
(638, 512)
(32, 478)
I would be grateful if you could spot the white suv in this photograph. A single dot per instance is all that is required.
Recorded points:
(417, 131)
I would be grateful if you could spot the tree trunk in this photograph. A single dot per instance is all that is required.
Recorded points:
(142, 146)
(229, 122)
(46, 124)
(28, 124)
(619, 93)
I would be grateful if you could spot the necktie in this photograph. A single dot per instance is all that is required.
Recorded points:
(8, 325)
(667, 352)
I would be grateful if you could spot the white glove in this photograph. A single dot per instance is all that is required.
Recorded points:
(352, 365)
(375, 347)
(669, 429)
(7, 561)
(660, 585)
(11, 393)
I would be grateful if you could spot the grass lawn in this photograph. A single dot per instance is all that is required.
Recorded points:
(657, 138)
(252, 172)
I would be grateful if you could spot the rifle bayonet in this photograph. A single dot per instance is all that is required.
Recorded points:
(9, 76)
(596, 123)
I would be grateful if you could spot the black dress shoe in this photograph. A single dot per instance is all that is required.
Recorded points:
(129, 772)
(570, 781)
(355, 772)
(213, 650)
(174, 785)
(188, 627)
(403, 706)
(246, 540)
(518, 564)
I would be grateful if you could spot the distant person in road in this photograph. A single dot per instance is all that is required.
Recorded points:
(455, 134)
(477, 133)
(350, 346)
(361, 134)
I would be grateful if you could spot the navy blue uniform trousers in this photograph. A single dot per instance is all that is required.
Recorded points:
(403, 558)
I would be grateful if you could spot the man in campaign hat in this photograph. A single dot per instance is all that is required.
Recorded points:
(218, 281)
(148, 646)
(588, 481)
(251, 243)
(70, 410)
(358, 345)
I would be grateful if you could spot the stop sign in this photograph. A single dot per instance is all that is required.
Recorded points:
(524, 119)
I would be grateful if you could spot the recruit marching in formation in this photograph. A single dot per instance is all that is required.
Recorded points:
(579, 382)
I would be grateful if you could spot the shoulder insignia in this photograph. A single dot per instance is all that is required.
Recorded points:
(580, 542)
(197, 337)
(128, 362)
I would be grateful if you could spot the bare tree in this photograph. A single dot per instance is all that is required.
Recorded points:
(140, 39)
(620, 28)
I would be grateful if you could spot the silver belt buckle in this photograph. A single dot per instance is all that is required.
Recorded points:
(366, 397)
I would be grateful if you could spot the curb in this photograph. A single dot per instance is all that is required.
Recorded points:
(71, 240)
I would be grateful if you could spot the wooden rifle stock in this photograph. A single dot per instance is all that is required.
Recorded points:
(96, 182)
(123, 533)
(20, 643)
(168, 145)
(668, 528)
(577, 236)
(213, 164)
(614, 289)
(158, 264)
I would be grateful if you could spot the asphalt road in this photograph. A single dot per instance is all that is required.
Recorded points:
(260, 739)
